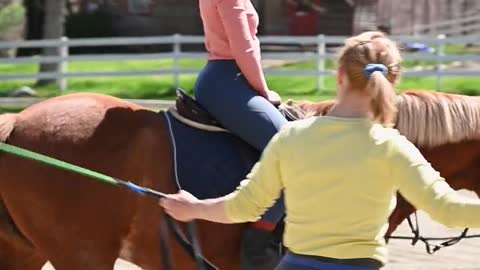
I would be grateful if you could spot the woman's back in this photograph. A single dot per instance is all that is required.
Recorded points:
(339, 197)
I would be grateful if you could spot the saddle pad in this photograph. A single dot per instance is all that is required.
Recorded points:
(208, 164)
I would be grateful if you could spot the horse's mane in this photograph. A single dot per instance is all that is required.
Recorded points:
(430, 118)
(426, 118)
(7, 123)
(306, 109)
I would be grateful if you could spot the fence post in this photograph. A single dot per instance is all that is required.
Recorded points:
(416, 30)
(176, 60)
(321, 45)
(63, 52)
(438, 67)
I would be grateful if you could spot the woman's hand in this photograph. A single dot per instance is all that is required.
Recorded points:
(182, 206)
(274, 97)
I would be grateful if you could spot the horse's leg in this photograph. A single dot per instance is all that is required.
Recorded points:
(15, 257)
(72, 220)
(16, 252)
(72, 261)
(70, 231)
(401, 212)
(221, 243)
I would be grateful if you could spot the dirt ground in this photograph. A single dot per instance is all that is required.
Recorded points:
(404, 256)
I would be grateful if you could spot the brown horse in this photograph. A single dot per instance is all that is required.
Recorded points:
(78, 223)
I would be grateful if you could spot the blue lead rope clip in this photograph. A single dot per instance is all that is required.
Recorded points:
(135, 188)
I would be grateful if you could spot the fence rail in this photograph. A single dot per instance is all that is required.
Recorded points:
(320, 55)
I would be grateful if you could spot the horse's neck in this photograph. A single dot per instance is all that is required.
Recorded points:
(316, 109)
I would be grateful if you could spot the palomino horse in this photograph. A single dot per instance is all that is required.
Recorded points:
(446, 129)
(78, 223)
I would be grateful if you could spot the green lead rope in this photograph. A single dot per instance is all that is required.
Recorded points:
(17, 151)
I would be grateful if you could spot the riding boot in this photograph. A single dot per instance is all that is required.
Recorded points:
(259, 250)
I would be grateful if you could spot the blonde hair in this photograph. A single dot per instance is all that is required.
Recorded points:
(373, 48)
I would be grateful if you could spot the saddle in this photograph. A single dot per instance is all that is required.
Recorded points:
(190, 112)
(204, 149)
(189, 108)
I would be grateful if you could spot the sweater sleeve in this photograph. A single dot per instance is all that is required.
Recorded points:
(425, 189)
(234, 17)
(260, 189)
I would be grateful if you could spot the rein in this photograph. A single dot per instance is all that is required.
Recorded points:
(432, 248)
(191, 245)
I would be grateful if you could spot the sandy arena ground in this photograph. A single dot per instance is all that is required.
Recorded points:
(403, 256)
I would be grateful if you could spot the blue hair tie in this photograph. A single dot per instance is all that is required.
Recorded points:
(370, 68)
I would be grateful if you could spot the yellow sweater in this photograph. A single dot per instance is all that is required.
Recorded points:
(340, 176)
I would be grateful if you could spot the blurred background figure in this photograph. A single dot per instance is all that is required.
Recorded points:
(304, 16)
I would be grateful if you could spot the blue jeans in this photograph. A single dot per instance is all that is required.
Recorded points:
(294, 262)
(223, 91)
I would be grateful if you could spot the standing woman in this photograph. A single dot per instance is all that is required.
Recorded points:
(232, 87)
(340, 173)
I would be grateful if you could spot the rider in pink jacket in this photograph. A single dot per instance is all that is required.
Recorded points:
(232, 87)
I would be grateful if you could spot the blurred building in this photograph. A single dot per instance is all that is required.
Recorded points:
(404, 15)
(277, 17)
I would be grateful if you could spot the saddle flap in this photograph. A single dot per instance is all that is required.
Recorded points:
(208, 164)
(189, 108)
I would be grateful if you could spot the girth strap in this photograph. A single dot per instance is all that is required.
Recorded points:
(187, 245)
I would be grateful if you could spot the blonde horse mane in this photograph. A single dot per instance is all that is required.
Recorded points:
(426, 118)
(7, 123)
(430, 119)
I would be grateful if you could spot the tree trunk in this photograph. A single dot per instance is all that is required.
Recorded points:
(53, 28)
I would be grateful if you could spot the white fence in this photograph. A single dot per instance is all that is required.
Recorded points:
(320, 55)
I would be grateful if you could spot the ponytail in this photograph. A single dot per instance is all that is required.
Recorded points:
(372, 64)
(383, 95)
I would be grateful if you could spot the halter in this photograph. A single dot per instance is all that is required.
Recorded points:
(431, 248)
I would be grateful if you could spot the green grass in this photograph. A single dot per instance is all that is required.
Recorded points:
(459, 49)
(161, 87)
(10, 110)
